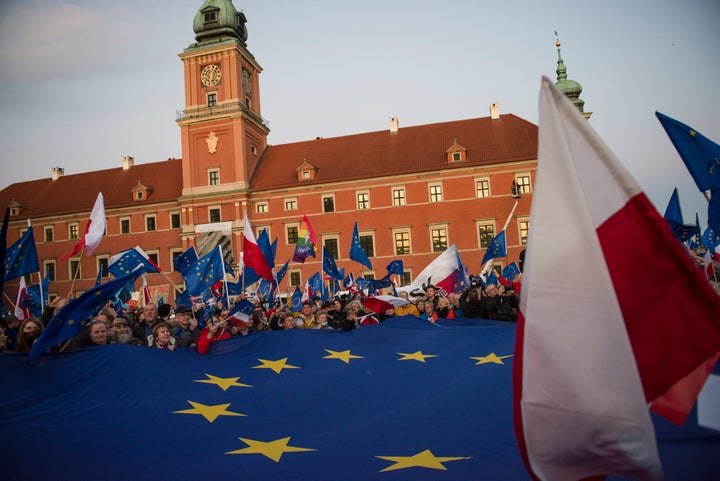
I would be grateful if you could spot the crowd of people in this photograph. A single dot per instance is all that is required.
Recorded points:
(169, 327)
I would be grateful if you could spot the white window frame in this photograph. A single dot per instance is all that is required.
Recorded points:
(403, 198)
(434, 186)
(478, 190)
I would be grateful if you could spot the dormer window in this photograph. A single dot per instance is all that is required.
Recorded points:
(141, 192)
(306, 171)
(456, 153)
(16, 208)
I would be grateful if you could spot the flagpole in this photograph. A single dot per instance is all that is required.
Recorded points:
(12, 303)
(75, 274)
(227, 298)
(42, 298)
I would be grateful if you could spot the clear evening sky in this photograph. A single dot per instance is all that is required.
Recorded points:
(86, 82)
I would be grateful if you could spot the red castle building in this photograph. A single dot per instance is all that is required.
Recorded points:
(414, 191)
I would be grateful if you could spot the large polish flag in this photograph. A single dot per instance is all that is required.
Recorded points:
(94, 231)
(253, 255)
(596, 344)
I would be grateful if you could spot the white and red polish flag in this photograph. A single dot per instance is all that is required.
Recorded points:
(94, 230)
(596, 345)
(253, 255)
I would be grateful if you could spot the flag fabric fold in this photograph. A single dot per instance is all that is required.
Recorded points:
(185, 261)
(306, 243)
(396, 267)
(593, 348)
(357, 253)
(94, 230)
(70, 320)
(21, 258)
(253, 255)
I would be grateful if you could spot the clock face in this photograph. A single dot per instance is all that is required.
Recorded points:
(247, 81)
(210, 75)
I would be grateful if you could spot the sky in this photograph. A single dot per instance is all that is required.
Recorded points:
(86, 82)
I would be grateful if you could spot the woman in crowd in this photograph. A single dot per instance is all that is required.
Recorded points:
(444, 310)
(30, 330)
(161, 337)
(321, 320)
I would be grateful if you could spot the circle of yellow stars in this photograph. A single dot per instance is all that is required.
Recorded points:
(274, 449)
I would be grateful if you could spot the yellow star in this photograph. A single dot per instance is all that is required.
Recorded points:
(276, 366)
(223, 383)
(271, 449)
(492, 357)
(210, 413)
(415, 356)
(424, 459)
(344, 356)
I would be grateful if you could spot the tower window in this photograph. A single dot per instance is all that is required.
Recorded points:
(212, 99)
(210, 16)
(214, 177)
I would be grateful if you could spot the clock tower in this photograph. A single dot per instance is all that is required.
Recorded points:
(222, 131)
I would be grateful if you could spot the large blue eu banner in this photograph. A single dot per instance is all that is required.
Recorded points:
(403, 400)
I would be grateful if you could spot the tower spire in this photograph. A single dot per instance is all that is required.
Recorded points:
(570, 88)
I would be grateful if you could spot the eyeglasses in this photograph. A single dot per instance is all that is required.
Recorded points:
(120, 324)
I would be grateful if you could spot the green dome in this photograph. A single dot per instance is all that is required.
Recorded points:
(570, 88)
(218, 20)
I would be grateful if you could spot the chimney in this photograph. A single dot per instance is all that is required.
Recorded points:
(57, 172)
(128, 162)
(494, 111)
(394, 126)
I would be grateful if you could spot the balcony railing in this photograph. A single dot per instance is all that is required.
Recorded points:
(205, 111)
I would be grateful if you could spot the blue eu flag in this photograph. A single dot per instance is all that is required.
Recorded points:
(329, 266)
(357, 253)
(402, 400)
(205, 272)
(21, 257)
(496, 248)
